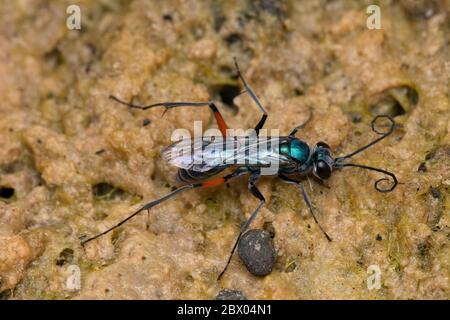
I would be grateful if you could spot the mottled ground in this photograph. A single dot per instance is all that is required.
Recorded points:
(73, 162)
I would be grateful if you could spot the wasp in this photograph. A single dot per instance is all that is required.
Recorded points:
(293, 156)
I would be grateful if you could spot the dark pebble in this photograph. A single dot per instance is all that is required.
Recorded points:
(229, 294)
(257, 252)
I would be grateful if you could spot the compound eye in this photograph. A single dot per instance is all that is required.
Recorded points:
(323, 145)
(323, 169)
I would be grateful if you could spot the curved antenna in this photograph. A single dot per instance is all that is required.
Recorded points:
(374, 129)
(394, 178)
(339, 161)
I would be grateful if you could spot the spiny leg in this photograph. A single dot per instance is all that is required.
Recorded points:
(219, 119)
(254, 97)
(255, 192)
(168, 105)
(145, 207)
(311, 208)
(302, 125)
(148, 206)
(307, 200)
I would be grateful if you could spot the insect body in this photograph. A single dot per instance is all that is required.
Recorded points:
(201, 156)
(200, 161)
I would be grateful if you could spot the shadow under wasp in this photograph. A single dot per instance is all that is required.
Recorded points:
(293, 157)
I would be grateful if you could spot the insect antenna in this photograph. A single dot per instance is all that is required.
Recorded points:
(340, 161)
(374, 129)
(377, 187)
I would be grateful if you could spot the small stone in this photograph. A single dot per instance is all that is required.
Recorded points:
(230, 294)
(257, 252)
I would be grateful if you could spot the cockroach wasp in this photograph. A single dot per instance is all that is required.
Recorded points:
(293, 156)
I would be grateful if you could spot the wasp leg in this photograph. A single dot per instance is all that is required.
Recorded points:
(168, 105)
(145, 207)
(220, 180)
(302, 125)
(254, 97)
(150, 205)
(307, 200)
(254, 190)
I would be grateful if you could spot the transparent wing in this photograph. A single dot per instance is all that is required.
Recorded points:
(190, 154)
(256, 151)
(202, 155)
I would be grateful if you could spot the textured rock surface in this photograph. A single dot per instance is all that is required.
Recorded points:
(61, 138)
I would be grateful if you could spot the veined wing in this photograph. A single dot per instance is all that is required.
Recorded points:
(257, 151)
(188, 154)
(202, 155)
